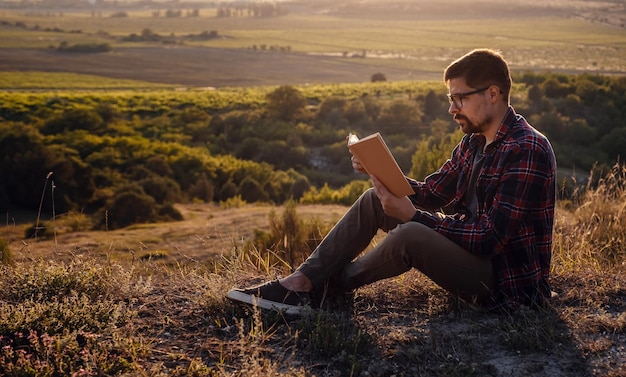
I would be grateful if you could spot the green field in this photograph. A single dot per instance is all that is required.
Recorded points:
(415, 42)
(312, 33)
(69, 81)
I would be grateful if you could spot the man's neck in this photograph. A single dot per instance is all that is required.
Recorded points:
(490, 132)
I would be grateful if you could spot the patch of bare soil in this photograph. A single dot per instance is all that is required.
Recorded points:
(207, 231)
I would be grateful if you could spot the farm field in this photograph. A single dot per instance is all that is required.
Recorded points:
(314, 43)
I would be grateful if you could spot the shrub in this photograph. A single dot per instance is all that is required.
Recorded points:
(85, 47)
(285, 103)
(119, 14)
(6, 256)
(203, 189)
(73, 119)
(168, 212)
(299, 187)
(37, 230)
(58, 320)
(131, 207)
(251, 191)
(162, 189)
(378, 76)
(400, 117)
(228, 190)
(233, 202)
(290, 239)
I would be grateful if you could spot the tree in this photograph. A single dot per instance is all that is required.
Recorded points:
(434, 106)
(299, 187)
(400, 117)
(378, 76)
(203, 189)
(162, 189)
(24, 163)
(228, 190)
(332, 111)
(251, 191)
(433, 153)
(613, 143)
(285, 103)
(130, 206)
(74, 119)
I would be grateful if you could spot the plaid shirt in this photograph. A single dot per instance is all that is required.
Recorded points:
(516, 192)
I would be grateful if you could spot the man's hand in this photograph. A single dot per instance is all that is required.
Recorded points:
(400, 208)
(356, 165)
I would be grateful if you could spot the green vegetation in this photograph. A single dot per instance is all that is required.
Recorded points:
(134, 154)
(85, 47)
(70, 81)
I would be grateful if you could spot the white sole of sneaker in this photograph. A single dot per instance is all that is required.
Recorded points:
(266, 304)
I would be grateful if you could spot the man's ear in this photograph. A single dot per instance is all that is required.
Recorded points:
(494, 93)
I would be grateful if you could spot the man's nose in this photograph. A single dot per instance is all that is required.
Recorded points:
(453, 109)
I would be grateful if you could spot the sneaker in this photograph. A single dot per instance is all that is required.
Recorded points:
(332, 297)
(272, 296)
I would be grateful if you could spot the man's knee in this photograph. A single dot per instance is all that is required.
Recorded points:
(369, 195)
(414, 233)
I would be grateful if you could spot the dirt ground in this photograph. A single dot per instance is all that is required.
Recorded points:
(207, 231)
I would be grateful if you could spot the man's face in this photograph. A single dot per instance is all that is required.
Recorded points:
(469, 106)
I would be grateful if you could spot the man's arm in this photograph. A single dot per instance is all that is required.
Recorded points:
(518, 191)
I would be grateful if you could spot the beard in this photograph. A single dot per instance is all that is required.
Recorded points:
(467, 126)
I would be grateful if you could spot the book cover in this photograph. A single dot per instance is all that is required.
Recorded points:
(373, 153)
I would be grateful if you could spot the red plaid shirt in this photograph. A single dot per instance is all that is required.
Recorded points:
(516, 192)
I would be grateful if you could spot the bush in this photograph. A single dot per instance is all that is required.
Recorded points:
(251, 191)
(61, 320)
(120, 14)
(232, 202)
(131, 207)
(168, 212)
(162, 189)
(378, 76)
(6, 256)
(290, 239)
(299, 187)
(228, 190)
(203, 189)
(85, 47)
(37, 230)
(285, 103)
(74, 119)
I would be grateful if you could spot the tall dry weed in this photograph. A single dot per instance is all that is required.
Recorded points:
(590, 233)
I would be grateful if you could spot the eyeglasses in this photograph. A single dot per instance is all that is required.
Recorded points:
(457, 99)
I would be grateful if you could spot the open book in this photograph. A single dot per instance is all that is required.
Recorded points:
(373, 153)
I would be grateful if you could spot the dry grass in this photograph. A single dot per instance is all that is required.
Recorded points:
(87, 306)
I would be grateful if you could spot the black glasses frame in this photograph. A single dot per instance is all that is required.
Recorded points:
(453, 98)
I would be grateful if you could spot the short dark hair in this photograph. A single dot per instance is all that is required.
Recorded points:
(480, 68)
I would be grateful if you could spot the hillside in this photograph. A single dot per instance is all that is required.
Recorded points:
(148, 301)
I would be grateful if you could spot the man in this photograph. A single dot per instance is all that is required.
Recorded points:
(494, 251)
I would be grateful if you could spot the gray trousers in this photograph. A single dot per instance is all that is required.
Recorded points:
(410, 245)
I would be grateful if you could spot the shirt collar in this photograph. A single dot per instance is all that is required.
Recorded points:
(507, 122)
(478, 140)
